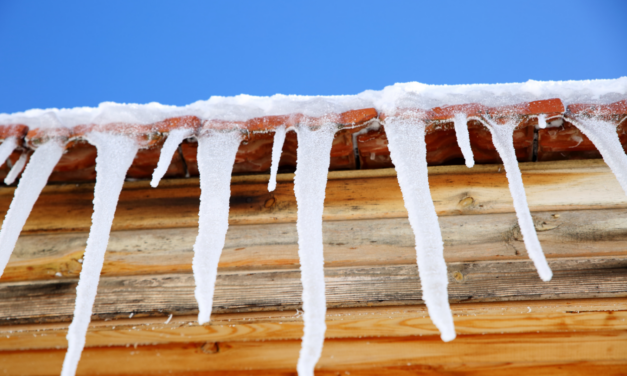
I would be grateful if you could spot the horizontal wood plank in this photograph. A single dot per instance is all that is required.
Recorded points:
(456, 190)
(577, 315)
(487, 353)
(387, 241)
(53, 300)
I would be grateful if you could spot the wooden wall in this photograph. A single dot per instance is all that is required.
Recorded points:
(508, 321)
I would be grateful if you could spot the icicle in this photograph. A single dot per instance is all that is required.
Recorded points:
(604, 136)
(503, 139)
(409, 154)
(175, 137)
(16, 169)
(542, 121)
(216, 156)
(463, 139)
(33, 181)
(115, 156)
(277, 148)
(6, 148)
(312, 167)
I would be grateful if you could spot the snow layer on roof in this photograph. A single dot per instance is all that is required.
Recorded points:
(401, 95)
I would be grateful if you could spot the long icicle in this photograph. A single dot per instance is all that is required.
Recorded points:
(312, 167)
(409, 154)
(604, 136)
(503, 139)
(463, 138)
(33, 181)
(16, 169)
(175, 137)
(115, 156)
(277, 148)
(6, 148)
(216, 156)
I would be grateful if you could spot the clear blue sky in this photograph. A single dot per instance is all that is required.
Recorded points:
(80, 53)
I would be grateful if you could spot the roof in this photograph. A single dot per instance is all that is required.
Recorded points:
(360, 142)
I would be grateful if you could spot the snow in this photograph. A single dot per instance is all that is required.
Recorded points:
(542, 121)
(6, 148)
(310, 181)
(604, 136)
(502, 137)
(216, 156)
(30, 186)
(16, 169)
(409, 154)
(460, 122)
(277, 148)
(175, 137)
(115, 156)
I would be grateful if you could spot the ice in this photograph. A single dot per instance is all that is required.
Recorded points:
(115, 156)
(16, 169)
(33, 181)
(542, 121)
(216, 156)
(277, 148)
(604, 136)
(463, 139)
(310, 181)
(6, 148)
(175, 137)
(502, 137)
(409, 154)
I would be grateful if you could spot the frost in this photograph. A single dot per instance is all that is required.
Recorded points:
(502, 137)
(6, 148)
(115, 155)
(33, 181)
(16, 169)
(216, 156)
(542, 121)
(409, 154)
(312, 166)
(463, 139)
(277, 148)
(604, 136)
(175, 137)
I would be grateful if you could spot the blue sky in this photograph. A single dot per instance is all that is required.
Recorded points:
(80, 53)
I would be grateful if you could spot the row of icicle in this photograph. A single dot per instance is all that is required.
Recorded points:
(216, 156)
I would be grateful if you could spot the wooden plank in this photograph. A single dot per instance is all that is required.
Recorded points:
(497, 352)
(566, 185)
(387, 241)
(53, 300)
(398, 321)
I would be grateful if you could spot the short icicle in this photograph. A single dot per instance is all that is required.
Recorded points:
(216, 156)
(409, 154)
(604, 136)
(6, 148)
(115, 156)
(463, 138)
(312, 167)
(16, 169)
(35, 177)
(503, 139)
(277, 148)
(175, 137)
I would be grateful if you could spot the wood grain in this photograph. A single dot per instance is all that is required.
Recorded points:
(577, 315)
(53, 300)
(387, 241)
(479, 352)
(456, 190)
